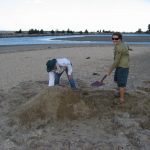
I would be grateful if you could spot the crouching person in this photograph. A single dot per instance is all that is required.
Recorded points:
(56, 67)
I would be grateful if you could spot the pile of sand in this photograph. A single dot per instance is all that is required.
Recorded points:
(52, 104)
(61, 103)
(38, 117)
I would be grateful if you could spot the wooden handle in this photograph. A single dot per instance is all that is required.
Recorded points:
(104, 77)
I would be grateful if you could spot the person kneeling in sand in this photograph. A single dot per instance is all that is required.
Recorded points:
(56, 67)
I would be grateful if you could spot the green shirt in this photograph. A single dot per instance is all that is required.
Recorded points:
(121, 56)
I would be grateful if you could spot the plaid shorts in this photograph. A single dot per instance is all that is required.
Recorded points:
(121, 76)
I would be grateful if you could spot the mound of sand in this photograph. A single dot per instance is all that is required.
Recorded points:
(44, 116)
(61, 103)
(55, 103)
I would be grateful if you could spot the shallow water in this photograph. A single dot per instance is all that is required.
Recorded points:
(63, 40)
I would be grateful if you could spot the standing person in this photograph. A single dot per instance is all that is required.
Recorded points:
(56, 67)
(120, 64)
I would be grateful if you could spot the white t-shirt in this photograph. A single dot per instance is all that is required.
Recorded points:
(64, 63)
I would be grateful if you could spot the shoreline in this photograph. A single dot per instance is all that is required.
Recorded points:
(107, 38)
(74, 41)
(36, 47)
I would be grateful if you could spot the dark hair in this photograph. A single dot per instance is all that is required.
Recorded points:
(118, 34)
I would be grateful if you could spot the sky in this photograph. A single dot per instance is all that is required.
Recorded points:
(76, 15)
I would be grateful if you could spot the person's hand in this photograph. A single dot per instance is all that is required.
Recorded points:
(108, 73)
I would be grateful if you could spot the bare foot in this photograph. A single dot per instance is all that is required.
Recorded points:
(122, 101)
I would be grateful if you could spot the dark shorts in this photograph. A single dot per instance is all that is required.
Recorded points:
(121, 76)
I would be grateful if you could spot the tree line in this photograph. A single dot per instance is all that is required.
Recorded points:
(70, 32)
(52, 32)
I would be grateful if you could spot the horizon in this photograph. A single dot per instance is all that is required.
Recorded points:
(75, 15)
(71, 30)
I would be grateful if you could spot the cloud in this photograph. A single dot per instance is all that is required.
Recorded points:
(36, 1)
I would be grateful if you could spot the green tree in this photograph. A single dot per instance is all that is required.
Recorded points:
(52, 32)
(20, 31)
(69, 31)
(41, 31)
(149, 28)
(33, 31)
(139, 31)
(80, 32)
(86, 31)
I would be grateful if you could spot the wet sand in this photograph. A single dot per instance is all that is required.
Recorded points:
(108, 38)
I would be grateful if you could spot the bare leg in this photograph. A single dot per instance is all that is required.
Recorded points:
(122, 94)
(116, 91)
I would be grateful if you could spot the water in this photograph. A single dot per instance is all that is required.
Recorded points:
(53, 40)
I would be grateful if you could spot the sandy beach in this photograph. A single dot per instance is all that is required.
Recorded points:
(99, 125)
(30, 63)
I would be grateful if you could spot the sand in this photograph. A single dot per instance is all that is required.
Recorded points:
(34, 116)
(30, 65)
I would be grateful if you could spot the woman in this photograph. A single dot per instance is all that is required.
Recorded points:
(56, 67)
(120, 64)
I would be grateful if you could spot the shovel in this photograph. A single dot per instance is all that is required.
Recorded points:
(99, 83)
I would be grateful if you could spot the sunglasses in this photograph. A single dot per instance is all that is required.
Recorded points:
(115, 39)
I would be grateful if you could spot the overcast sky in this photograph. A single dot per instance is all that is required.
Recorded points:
(93, 15)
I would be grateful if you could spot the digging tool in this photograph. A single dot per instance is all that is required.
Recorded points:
(99, 83)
